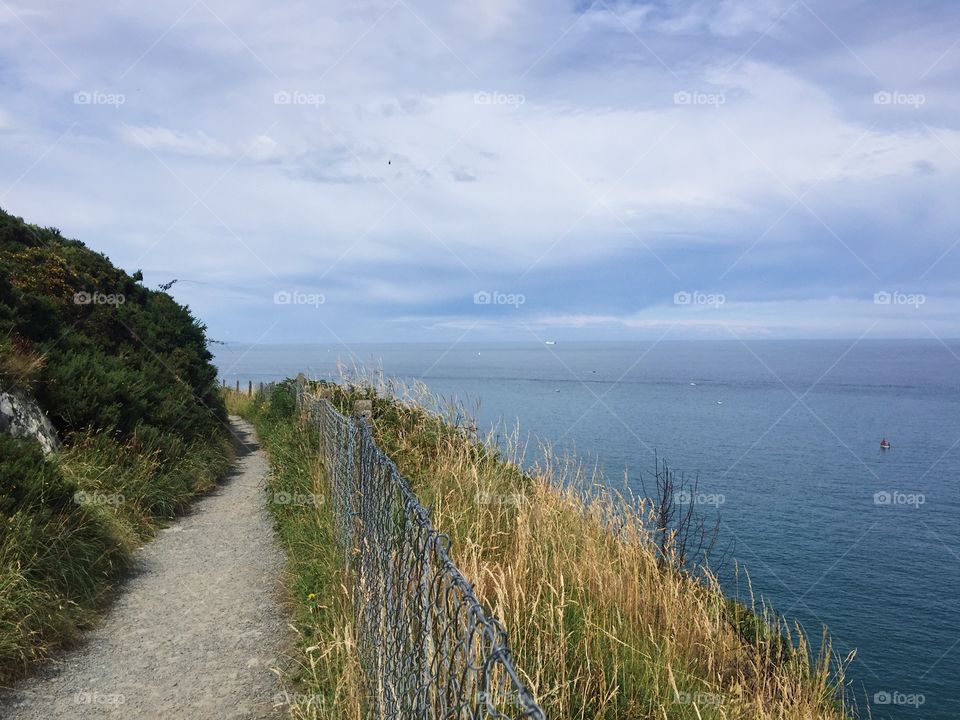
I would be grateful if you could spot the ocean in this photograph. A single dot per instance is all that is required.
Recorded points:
(784, 437)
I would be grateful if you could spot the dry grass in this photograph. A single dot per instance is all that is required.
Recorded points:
(20, 365)
(238, 403)
(598, 626)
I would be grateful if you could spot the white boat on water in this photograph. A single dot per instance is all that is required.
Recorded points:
(550, 342)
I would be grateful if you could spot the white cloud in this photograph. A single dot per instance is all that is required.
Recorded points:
(489, 16)
(571, 162)
(727, 18)
(265, 149)
(738, 17)
(811, 317)
(163, 140)
(16, 13)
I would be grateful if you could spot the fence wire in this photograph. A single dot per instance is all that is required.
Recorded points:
(427, 646)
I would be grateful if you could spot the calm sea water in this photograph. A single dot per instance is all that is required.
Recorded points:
(785, 437)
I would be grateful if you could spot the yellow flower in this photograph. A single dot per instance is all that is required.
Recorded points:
(311, 596)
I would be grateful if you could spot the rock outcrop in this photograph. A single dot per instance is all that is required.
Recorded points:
(21, 417)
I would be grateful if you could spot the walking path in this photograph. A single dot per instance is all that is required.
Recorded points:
(197, 629)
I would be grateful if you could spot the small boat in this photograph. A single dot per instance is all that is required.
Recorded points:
(885, 444)
(550, 342)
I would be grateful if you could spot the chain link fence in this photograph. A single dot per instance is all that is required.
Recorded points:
(427, 646)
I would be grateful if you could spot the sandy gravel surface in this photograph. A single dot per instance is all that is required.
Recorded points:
(197, 629)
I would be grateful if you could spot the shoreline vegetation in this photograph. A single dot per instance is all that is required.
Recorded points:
(604, 620)
(124, 374)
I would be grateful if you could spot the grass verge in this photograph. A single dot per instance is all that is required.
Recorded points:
(326, 681)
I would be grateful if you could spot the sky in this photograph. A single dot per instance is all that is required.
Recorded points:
(405, 170)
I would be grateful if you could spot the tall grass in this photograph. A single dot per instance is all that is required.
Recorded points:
(599, 625)
(240, 403)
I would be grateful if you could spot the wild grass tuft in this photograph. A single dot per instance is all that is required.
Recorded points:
(20, 364)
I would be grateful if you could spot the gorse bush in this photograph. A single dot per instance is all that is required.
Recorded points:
(116, 354)
(124, 374)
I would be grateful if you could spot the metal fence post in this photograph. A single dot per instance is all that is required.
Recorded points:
(363, 418)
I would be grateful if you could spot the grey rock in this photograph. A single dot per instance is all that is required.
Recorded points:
(21, 417)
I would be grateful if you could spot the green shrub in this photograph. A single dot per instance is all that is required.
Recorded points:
(108, 365)
(282, 403)
(27, 479)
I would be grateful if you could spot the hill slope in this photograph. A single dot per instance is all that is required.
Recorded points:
(124, 374)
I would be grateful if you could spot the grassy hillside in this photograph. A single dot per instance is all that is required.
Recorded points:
(601, 624)
(124, 374)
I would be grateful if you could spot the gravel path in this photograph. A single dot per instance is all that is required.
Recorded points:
(194, 632)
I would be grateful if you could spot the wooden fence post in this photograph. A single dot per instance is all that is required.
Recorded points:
(363, 410)
(238, 385)
(249, 388)
(301, 391)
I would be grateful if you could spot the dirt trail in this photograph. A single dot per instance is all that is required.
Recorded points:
(196, 629)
